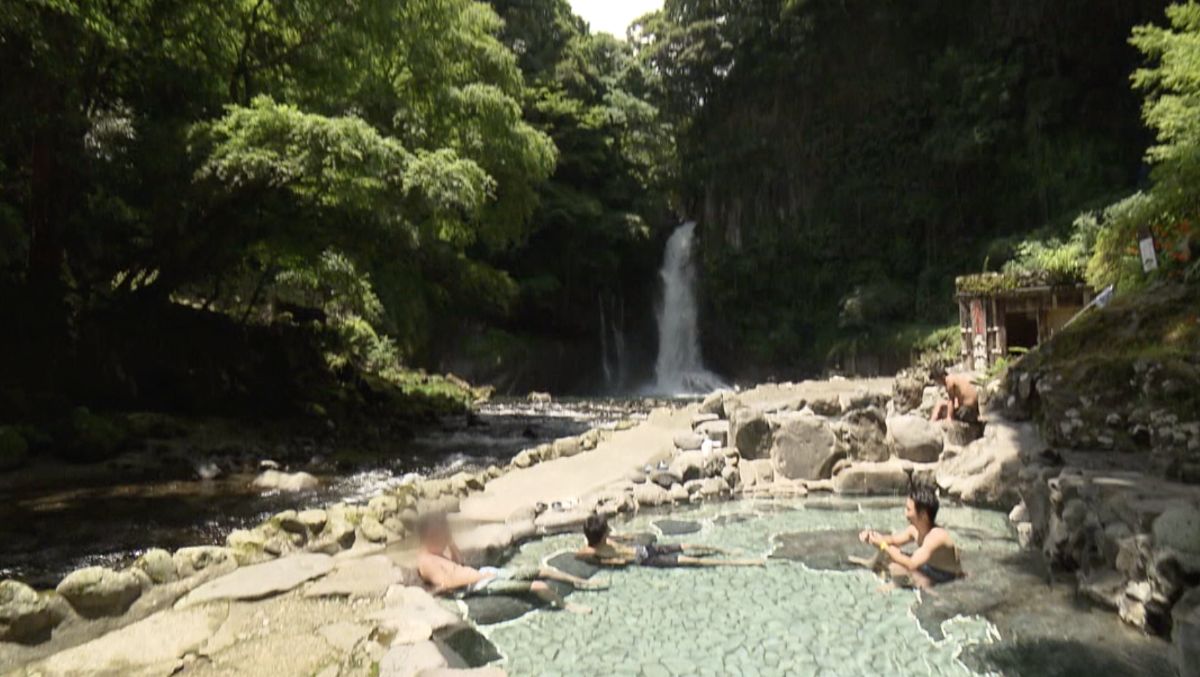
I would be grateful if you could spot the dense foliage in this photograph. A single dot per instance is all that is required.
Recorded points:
(373, 168)
(847, 160)
(256, 190)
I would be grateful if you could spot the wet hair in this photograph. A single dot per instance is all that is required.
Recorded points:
(431, 522)
(924, 498)
(937, 373)
(595, 528)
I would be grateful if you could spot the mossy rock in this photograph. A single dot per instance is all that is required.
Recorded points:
(91, 438)
(14, 450)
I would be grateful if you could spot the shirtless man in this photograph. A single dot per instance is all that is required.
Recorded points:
(936, 559)
(605, 549)
(963, 404)
(440, 566)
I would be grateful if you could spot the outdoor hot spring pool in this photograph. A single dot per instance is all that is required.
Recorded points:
(809, 612)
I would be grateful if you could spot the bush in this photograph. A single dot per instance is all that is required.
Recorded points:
(14, 451)
(91, 438)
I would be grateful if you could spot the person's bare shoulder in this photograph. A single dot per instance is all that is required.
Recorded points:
(940, 537)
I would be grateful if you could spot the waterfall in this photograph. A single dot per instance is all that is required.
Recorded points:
(679, 369)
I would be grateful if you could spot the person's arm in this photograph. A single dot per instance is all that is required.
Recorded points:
(922, 554)
(898, 538)
(455, 554)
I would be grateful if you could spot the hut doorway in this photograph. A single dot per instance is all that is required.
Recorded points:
(1021, 329)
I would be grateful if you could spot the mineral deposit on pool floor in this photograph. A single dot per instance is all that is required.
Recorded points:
(784, 619)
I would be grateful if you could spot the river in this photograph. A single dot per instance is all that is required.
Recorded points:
(62, 525)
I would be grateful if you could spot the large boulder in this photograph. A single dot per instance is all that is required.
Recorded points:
(756, 473)
(715, 403)
(986, 472)
(99, 591)
(1178, 528)
(193, 560)
(689, 441)
(158, 565)
(25, 616)
(864, 432)
(690, 466)
(907, 391)
(273, 480)
(1185, 634)
(872, 478)
(805, 448)
(750, 433)
(651, 495)
(914, 438)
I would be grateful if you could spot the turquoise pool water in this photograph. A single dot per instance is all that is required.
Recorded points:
(800, 616)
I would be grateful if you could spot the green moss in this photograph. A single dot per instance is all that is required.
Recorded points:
(994, 283)
(14, 451)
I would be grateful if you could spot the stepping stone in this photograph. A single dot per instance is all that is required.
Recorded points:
(737, 518)
(568, 563)
(261, 580)
(677, 527)
(498, 608)
(475, 649)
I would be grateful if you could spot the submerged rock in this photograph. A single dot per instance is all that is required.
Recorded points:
(822, 550)
(677, 527)
(273, 480)
(99, 591)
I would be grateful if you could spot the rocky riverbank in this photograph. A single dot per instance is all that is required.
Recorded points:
(344, 573)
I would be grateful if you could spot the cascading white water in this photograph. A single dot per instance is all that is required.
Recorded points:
(679, 369)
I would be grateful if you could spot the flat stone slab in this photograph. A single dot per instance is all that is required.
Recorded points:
(410, 660)
(676, 527)
(157, 641)
(366, 577)
(410, 603)
(261, 580)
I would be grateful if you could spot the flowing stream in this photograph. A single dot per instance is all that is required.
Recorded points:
(679, 368)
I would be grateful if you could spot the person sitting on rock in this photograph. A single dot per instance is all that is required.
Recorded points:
(936, 559)
(605, 549)
(440, 566)
(963, 404)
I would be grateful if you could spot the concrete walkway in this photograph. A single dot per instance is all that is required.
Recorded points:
(612, 460)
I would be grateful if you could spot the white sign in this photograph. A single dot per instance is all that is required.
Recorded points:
(1149, 258)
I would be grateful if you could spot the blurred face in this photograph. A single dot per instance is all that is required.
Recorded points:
(915, 517)
(437, 538)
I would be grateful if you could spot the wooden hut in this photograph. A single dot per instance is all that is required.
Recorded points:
(1001, 311)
